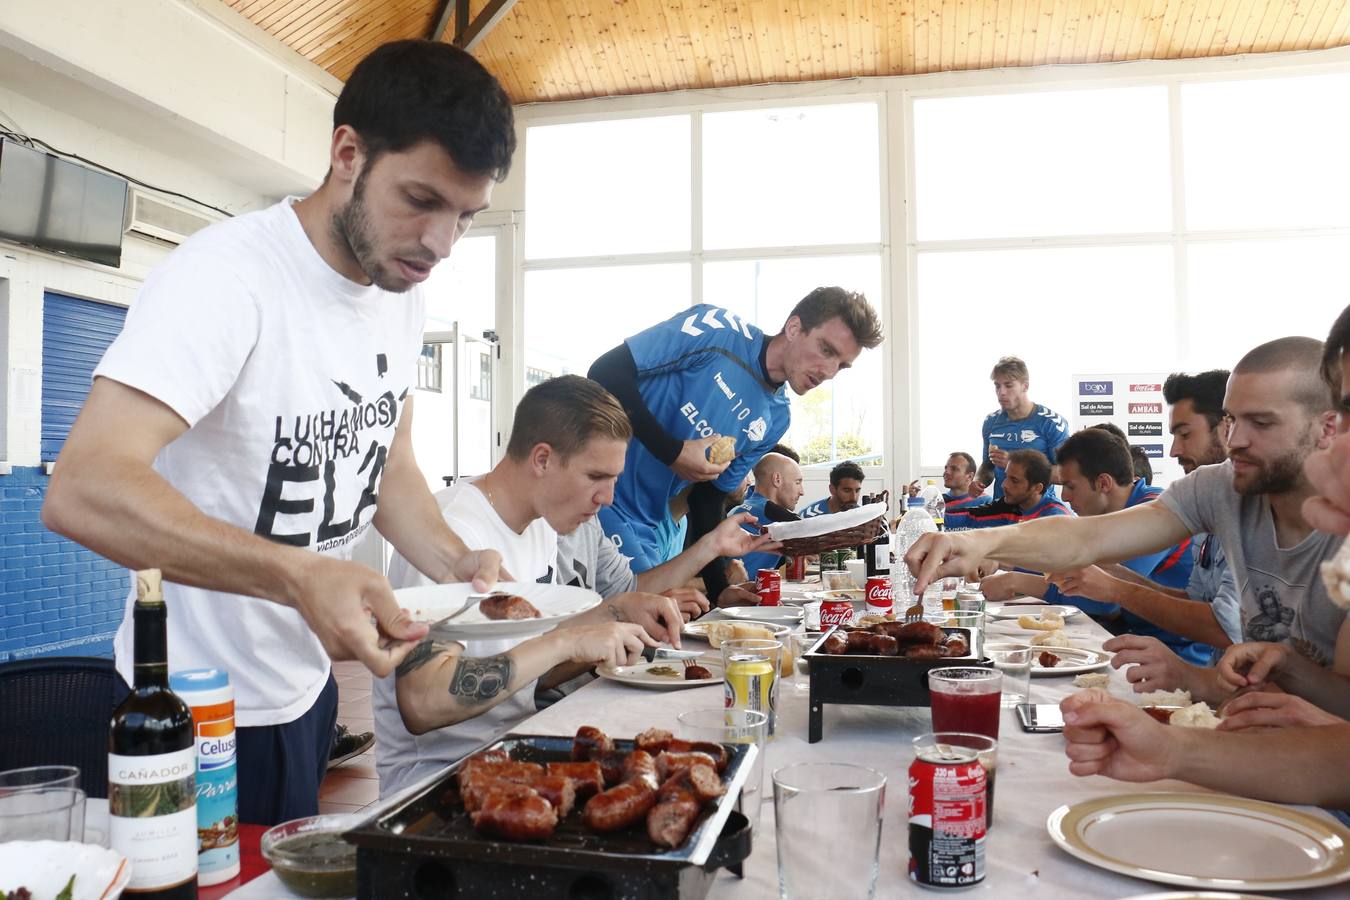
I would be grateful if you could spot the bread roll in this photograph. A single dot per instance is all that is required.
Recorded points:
(723, 450)
(1046, 621)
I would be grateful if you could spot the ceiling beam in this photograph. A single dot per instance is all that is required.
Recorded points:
(494, 12)
(449, 9)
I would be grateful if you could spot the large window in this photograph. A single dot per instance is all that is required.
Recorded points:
(790, 200)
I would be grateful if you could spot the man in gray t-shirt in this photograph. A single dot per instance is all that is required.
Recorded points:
(1282, 598)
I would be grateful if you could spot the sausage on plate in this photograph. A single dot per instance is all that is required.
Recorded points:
(619, 807)
(590, 743)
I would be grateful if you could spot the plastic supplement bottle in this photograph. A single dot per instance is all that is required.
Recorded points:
(209, 693)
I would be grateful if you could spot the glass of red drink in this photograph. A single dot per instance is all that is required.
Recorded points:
(966, 699)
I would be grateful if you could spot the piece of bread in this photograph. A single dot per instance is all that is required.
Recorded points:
(1165, 698)
(1056, 638)
(1092, 680)
(1336, 576)
(1046, 621)
(731, 631)
(1197, 715)
(723, 450)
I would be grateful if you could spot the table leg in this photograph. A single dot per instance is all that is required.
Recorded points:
(813, 727)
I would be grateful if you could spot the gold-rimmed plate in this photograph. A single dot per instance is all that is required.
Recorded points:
(1072, 661)
(1204, 841)
(662, 675)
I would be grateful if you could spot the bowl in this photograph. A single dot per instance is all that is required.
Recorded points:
(857, 570)
(310, 856)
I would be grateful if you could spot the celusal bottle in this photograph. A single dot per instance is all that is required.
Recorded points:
(152, 763)
(209, 694)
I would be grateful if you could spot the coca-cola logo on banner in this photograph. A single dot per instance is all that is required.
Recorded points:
(1145, 388)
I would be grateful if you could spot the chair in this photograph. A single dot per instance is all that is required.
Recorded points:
(56, 710)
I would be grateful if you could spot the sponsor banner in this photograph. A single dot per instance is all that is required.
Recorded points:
(1095, 388)
(1146, 409)
(1096, 408)
(1153, 451)
(1147, 388)
(1144, 429)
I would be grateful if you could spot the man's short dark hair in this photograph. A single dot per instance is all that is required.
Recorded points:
(1337, 342)
(846, 469)
(566, 413)
(785, 450)
(1142, 467)
(825, 303)
(966, 458)
(1010, 367)
(1098, 452)
(1205, 391)
(1034, 465)
(1302, 356)
(406, 92)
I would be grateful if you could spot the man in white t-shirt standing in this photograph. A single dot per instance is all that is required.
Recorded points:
(566, 452)
(253, 418)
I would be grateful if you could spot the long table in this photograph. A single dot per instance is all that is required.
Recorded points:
(1033, 780)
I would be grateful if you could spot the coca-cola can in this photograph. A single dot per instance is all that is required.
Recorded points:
(835, 611)
(796, 570)
(770, 587)
(947, 825)
(878, 594)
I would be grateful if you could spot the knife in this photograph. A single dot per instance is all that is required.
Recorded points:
(652, 654)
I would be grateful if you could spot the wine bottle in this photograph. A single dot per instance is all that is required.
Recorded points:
(152, 763)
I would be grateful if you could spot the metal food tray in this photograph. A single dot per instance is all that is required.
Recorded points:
(862, 679)
(424, 845)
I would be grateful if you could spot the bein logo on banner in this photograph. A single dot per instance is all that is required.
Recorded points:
(1095, 388)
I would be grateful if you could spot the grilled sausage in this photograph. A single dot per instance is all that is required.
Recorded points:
(641, 766)
(871, 643)
(516, 816)
(835, 645)
(611, 766)
(619, 807)
(508, 606)
(920, 633)
(559, 791)
(696, 673)
(669, 822)
(955, 645)
(653, 740)
(924, 651)
(586, 777)
(476, 787)
(719, 754)
(590, 743)
(669, 763)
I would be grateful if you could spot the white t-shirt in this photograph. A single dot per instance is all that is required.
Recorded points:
(292, 380)
(404, 757)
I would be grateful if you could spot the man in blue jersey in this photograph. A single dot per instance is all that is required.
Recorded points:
(1024, 499)
(845, 491)
(1019, 424)
(961, 479)
(700, 378)
(778, 487)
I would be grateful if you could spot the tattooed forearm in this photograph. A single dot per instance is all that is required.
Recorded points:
(615, 612)
(479, 679)
(420, 655)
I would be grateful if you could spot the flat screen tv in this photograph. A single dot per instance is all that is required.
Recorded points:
(58, 205)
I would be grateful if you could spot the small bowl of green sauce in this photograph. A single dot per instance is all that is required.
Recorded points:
(310, 856)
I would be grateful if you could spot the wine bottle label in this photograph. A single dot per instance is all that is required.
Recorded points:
(152, 804)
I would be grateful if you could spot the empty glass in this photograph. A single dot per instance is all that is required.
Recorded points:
(35, 777)
(42, 814)
(733, 726)
(801, 675)
(1013, 659)
(834, 802)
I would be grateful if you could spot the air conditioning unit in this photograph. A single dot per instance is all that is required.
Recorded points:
(165, 220)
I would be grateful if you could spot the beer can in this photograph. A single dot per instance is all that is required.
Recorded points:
(835, 611)
(770, 587)
(829, 561)
(878, 594)
(947, 825)
(749, 683)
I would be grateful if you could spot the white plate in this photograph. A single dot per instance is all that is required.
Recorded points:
(1074, 661)
(555, 602)
(639, 675)
(816, 525)
(1198, 895)
(699, 629)
(779, 614)
(1015, 611)
(44, 867)
(1204, 841)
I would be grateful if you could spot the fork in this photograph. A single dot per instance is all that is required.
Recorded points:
(915, 612)
(470, 603)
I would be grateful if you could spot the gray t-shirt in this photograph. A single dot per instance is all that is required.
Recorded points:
(1212, 581)
(1282, 597)
(586, 558)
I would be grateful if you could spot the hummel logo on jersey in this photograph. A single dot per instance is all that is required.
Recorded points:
(730, 394)
(709, 321)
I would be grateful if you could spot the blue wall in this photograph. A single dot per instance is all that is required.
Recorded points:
(56, 597)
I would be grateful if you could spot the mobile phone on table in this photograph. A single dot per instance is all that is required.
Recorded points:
(1040, 718)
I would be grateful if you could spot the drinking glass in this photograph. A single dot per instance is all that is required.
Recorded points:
(42, 814)
(733, 726)
(966, 699)
(971, 620)
(845, 802)
(801, 674)
(1013, 659)
(986, 751)
(36, 777)
(752, 667)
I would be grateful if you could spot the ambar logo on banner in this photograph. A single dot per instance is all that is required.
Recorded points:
(1096, 408)
(1145, 409)
(1095, 388)
(1146, 389)
(1144, 429)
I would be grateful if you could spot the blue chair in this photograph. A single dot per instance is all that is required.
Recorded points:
(56, 710)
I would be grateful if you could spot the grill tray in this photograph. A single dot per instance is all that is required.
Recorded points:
(425, 845)
(864, 680)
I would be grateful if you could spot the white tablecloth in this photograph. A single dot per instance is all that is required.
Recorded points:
(1033, 780)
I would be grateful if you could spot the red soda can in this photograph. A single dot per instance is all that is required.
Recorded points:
(770, 587)
(878, 594)
(946, 815)
(835, 611)
(796, 568)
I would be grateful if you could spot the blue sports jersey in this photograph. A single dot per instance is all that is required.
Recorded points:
(990, 514)
(1169, 568)
(699, 374)
(819, 508)
(754, 504)
(1043, 430)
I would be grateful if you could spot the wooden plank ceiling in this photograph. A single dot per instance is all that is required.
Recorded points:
(567, 49)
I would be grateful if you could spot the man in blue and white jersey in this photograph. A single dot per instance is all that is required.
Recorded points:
(960, 478)
(845, 491)
(778, 487)
(1018, 424)
(1025, 498)
(707, 374)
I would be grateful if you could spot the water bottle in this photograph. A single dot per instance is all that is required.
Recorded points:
(916, 523)
(933, 502)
